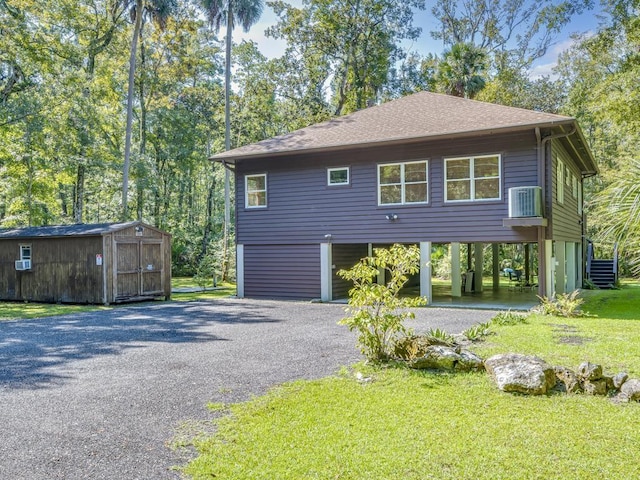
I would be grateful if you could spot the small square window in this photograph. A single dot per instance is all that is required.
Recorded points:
(25, 252)
(255, 190)
(338, 176)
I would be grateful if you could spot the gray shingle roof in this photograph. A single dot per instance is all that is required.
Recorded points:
(417, 116)
(64, 230)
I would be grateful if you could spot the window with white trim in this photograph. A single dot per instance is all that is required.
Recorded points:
(560, 181)
(403, 183)
(25, 252)
(472, 178)
(574, 185)
(255, 187)
(337, 176)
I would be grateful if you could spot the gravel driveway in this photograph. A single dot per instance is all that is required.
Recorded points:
(100, 395)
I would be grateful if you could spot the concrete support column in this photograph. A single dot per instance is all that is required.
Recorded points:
(456, 279)
(425, 270)
(560, 267)
(572, 273)
(326, 293)
(240, 271)
(549, 269)
(495, 256)
(478, 252)
(580, 264)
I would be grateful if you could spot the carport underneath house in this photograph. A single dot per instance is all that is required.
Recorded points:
(509, 276)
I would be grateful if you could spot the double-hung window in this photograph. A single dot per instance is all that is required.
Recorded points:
(255, 187)
(472, 178)
(403, 183)
(560, 181)
(25, 252)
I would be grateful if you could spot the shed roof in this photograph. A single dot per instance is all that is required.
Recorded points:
(80, 229)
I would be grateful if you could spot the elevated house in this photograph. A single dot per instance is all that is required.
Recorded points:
(424, 169)
(85, 263)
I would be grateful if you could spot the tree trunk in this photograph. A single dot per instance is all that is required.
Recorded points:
(127, 139)
(227, 144)
(143, 135)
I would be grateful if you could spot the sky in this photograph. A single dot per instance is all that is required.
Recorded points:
(585, 23)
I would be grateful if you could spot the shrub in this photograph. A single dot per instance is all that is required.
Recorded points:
(477, 331)
(437, 336)
(377, 311)
(509, 318)
(563, 305)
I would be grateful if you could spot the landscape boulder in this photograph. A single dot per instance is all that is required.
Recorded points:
(630, 390)
(589, 371)
(440, 357)
(619, 379)
(567, 380)
(518, 373)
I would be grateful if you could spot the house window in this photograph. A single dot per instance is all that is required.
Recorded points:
(403, 183)
(338, 176)
(574, 185)
(25, 252)
(472, 178)
(560, 181)
(255, 190)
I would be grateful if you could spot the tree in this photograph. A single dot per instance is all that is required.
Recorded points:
(460, 73)
(377, 311)
(345, 46)
(228, 13)
(159, 11)
(512, 32)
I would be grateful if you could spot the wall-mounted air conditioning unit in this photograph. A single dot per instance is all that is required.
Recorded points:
(23, 264)
(525, 202)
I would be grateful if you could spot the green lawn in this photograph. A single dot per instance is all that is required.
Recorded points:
(414, 425)
(27, 310)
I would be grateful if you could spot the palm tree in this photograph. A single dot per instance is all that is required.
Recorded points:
(461, 71)
(159, 11)
(230, 12)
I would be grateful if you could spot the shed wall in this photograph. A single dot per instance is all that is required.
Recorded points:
(63, 270)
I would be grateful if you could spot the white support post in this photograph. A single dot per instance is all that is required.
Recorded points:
(580, 264)
(240, 271)
(456, 279)
(425, 270)
(495, 254)
(478, 253)
(548, 273)
(561, 277)
(572, 274)
(326, 293)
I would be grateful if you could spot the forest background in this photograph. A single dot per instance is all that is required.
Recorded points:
(64, 96)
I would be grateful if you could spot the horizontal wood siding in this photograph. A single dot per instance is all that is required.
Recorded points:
(566, 224)
(282, 271)
(345, 256)
(302, 209)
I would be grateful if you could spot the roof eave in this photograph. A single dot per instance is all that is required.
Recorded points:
(224, 158)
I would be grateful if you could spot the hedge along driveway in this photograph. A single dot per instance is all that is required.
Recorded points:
(100, 395)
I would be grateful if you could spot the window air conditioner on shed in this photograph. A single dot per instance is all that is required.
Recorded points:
(23, 264)
(525, 202)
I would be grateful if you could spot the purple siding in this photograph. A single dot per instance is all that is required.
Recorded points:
(564, 218)
(302, 209)
(282, 271)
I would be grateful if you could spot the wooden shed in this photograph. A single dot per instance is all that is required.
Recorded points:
(95, 264)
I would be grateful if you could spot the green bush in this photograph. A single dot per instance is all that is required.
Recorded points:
(563, 305)
(377, 311)
(509, 318)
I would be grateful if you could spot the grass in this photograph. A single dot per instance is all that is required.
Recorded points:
(28, 310)
(407, 424)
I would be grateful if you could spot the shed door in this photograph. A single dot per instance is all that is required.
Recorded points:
(139, 268)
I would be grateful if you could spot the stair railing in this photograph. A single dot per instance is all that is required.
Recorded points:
(615, 262)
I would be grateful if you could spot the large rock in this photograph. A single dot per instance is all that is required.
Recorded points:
(589, 371)
(595, 387)
(619, 379)
(630, 390)
(440, 357)
(567, 380)
(518, 373)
